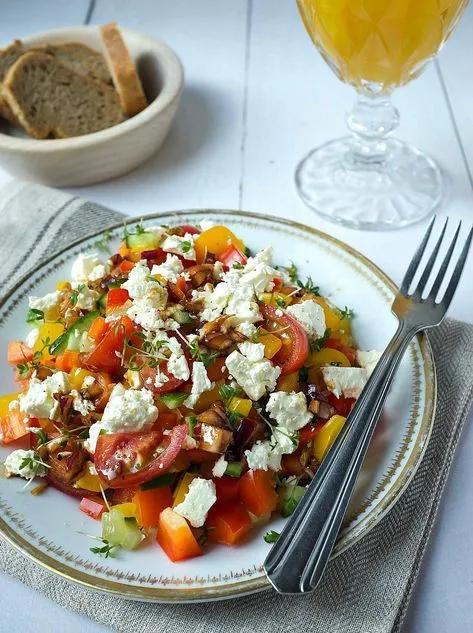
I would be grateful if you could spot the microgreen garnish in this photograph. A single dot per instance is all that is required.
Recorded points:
(41, 436)
(271, 536)
(191, 421)
(34, 463)
(150, 354)
(34, 315)
(74, 295)
(106, 550)
(26, 369)
(280, 302)
(207, 358)
(308, 286)
(103, 243)
(318, 344)
(227, 392)
(292, 272)
(346, 313)
(238, 266)
(186, 246)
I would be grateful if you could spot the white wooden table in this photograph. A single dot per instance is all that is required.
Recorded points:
(257, 98)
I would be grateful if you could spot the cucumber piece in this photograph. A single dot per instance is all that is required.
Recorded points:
(81, 325)
(102, 302)
(234, 469)
(174, 399)
(289, 497)
(121, 531)
(182, 317)
(159, 482)
(146, 241)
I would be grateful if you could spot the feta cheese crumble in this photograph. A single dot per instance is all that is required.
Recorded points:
(311, 316)
(368, 360)
(255, 376)
(127, 410)
(149, 298)
(177, 363)
(200, 383)
(289, 410)
(200, 497)
(183, 246)
(220, 467)
(263, 456)
(38, 401)
(47, 303)
(170, 269)
(86, 299)
(345, 381)
(87, 267)
(32, 337)
(81, 404)
(15, 459)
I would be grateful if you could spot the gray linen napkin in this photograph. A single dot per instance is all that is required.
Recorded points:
(366, 589)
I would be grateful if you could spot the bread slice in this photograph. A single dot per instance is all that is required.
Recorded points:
(82, 59)
(122, 67)
(74, 55)
(8, 56)
(49, 99)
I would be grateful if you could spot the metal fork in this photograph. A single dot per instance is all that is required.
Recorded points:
(299, 557)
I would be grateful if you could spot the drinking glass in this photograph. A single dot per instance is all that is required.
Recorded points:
(369, 180)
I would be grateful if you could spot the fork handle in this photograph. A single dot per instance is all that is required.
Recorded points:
(299, 557)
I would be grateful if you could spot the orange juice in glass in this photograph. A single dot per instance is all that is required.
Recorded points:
(370, 180)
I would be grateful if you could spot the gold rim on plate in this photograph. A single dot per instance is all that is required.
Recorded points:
(348, 537)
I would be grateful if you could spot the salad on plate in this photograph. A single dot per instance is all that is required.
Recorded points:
(182, 389)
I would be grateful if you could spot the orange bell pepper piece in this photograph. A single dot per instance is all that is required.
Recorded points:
(18, 352)
(68, 360)
(13, 426)
(97, 329)
(257, 492)
(175, 536)
(229, 523)
(151, 503)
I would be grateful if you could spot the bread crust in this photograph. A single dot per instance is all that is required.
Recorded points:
(123, 70)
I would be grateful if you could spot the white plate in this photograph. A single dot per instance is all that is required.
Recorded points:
(47, 528)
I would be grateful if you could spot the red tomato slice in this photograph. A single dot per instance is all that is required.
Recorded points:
(308, 433)
(232, 255)
(300, 343)
(342, 406)
(172, 383)
(116, 297)
(156, 256)
(227, 489)
(189, 228)
(116, 451)
(94, 507)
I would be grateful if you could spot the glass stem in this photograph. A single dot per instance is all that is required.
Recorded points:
(371, 121)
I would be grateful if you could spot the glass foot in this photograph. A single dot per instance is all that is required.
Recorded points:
(405, 188)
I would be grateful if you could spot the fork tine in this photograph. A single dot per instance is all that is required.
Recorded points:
(430, 264)
(453, 283)
(443, 268)
(411, 271)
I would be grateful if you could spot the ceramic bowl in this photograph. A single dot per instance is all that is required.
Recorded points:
(50, 528)
(111, 152)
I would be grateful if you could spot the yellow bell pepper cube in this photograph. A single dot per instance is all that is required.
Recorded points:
(63, 285)
(50, 330)
(288, 383)
(89, 480)
(327, 436)
(272, 344)
(216, 240)
(242, 406)
(183, 488)
(77, 376)
(5, 402)
(328, 356)
(129, 509)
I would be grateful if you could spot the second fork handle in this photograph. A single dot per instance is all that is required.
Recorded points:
(298, 559)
